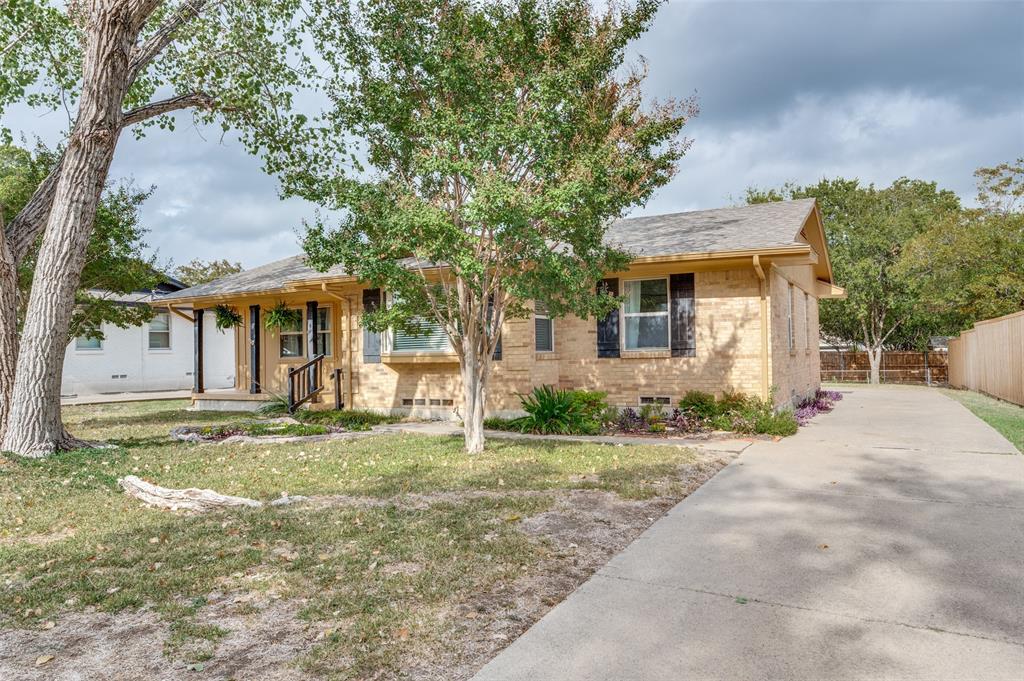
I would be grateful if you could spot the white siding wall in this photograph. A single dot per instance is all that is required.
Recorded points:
(125, 352)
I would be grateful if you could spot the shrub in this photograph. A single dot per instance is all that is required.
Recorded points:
(349, 419)
(499, 423)
(277, 406)
(783, 424)
(657, 427)
(651, 414)
(720, 422)
(591, 405)
(699, 403)
(734, 403)
(629, 421)
(566, 412)
(681, 422)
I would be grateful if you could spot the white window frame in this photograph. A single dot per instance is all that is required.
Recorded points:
(150, 331)
(789, 317)
(301, 333)
(539, 312)
(388, 339)
(327, 348)
(623, 334)
(91, 351)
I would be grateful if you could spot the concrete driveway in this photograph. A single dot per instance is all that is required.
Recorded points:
(884, 541)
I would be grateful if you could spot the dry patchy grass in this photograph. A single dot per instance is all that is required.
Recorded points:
(407, 529)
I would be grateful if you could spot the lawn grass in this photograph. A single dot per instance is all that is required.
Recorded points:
(69, 539)
(1007, 418)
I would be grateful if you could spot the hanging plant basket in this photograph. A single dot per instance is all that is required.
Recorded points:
(281, 316)
(226, 318)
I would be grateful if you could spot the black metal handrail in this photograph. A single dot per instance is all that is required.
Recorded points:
(305, 382)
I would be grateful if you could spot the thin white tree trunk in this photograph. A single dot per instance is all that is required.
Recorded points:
(34, 426)
(475, 397)
(875, 360)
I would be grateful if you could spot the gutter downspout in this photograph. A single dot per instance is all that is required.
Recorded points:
(765, 389)
(348, 343)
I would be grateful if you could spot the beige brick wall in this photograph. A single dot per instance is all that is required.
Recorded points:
(796, 367)
(728, 357)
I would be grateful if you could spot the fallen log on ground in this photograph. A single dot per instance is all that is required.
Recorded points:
(190, 499)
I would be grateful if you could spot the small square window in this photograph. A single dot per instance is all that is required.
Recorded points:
(83, 343)
(160, 331)
(292, 337)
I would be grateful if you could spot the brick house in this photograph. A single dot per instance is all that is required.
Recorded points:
(718, 300)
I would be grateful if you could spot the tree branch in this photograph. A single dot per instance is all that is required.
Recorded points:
(21, 232)
(147, 51)
(198, 100)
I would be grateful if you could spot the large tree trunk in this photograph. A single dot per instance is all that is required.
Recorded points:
(34, 425)
(8, 329)
(474, 390)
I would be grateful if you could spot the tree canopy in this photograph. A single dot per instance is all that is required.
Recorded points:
(492, 145)
(116, 260)
(867, 229)
(970, 265)
(199, 271)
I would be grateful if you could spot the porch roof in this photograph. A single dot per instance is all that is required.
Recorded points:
(721, 230)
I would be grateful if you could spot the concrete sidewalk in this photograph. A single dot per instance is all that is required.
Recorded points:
(126, 397)
(884, 541)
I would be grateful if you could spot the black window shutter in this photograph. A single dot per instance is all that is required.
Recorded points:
(608, 328)
(490, 312)
(684, 335)
(371, 339)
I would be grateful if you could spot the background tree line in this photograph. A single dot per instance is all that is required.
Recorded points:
(914, 261)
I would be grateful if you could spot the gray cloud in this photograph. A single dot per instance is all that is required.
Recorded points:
(790, 91)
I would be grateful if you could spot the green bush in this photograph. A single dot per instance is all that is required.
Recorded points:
(699, 403)
(721, 422)
(349, 419)
(499, 423)
(651, 414)
(782, 424)
(735, 403)
(657, 427)
(590, 404)
(566, 412)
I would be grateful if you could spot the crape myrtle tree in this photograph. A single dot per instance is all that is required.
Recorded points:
(498, 140)
(111, 65)
(116, 262)
(868, 229)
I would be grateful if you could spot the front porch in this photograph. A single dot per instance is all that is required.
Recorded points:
(301, 361)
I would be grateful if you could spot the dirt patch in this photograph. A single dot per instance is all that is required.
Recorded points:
(583, 530)
(265, 638)
(261, 644)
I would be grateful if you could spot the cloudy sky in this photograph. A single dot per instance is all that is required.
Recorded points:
(789, 91)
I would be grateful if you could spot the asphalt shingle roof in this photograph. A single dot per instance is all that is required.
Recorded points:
(764, 225)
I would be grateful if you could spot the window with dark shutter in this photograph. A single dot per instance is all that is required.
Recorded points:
(608, 327)
(497, 346)
(683, 326)
(543, 329)
(371, 339)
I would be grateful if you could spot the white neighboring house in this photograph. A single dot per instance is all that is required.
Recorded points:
(155, 356)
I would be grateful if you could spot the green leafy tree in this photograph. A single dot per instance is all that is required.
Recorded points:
(500, 139)
(116, 263)
(971, 264)
(112, 65)
(867, 229)
(202, 271)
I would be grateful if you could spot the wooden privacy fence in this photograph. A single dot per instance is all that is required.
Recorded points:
(897, 366)
(990, 358)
